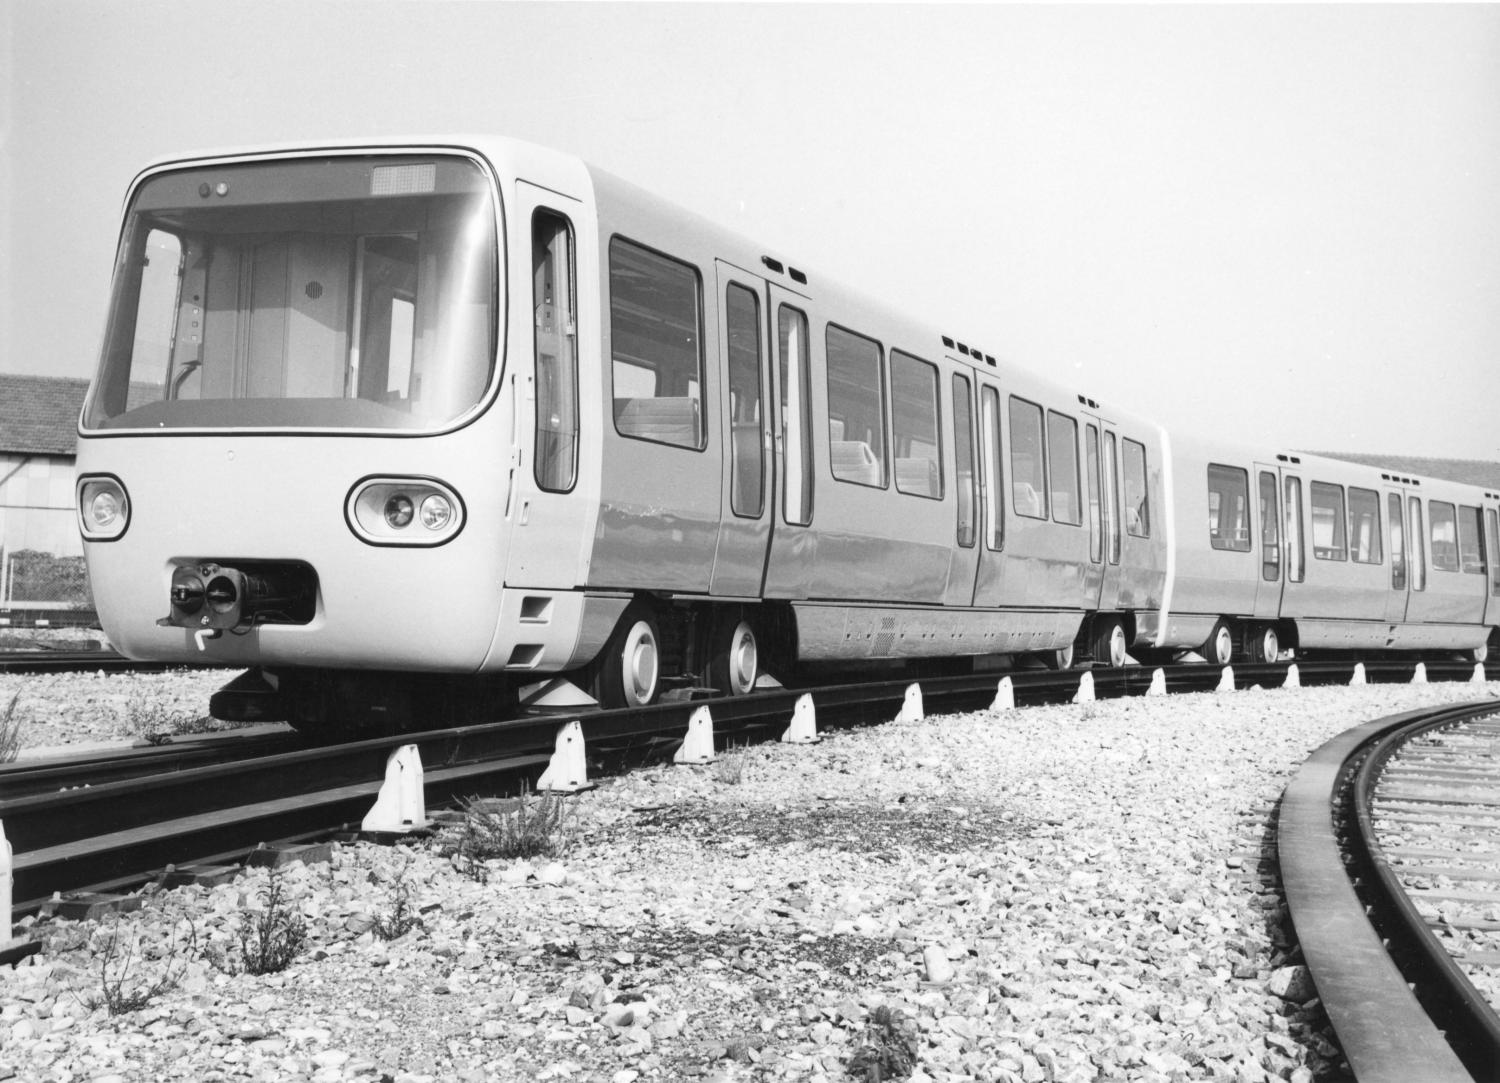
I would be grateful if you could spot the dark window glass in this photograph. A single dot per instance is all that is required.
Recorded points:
(555, 321)
(1091, 455)
(856, 408)
(1364, 526)
(1418, 546)
(1444, 535)
(1137, 497)
(963, 453)
(1296, 561)
(1470, 540)
(1398, 542)
(1062, 451)
(1328, 524)
(747, 455)
(794, 426)
(1229, 508)
(1028, 462)
(915, 427)
(656, 348)
(1270, 538)
(1493, 547)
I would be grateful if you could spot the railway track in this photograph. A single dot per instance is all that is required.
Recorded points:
(1389, 843)
(118, 828)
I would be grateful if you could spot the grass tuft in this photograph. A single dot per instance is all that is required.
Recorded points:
(531, 825)
(888, 1049)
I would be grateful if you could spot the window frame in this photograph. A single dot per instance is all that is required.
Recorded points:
(1217, 539)
(901, 357)
(797, 317)
(1371, 500)
(1044, 509)
(1143, 512)
(1076, 496)
(1450, 515)
(1340, 519)
(1476, 531)
(614, 360)
(965, 434)
(570, 238)
(881, 454)
(730, 371)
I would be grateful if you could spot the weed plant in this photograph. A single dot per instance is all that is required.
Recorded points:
(10, 732)
(889, 1047)
(122, 988)
(273, 936)
(402, 916)
(532, 825)
(729, 769)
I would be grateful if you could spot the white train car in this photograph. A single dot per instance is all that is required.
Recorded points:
(403, 430)
(1283, 551)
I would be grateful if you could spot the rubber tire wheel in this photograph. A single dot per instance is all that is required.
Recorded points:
(1266, 645)
(1060, 659)
(628, 670)
(734, 663)
(1218, 648)
(1109, 646)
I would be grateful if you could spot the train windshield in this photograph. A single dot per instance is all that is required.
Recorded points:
(337, 292)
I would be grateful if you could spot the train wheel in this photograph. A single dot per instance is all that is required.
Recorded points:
(629, 668)
(1109, 646)
(1265, 646)
(1062, 659)
(735, 661)
(1218, 650)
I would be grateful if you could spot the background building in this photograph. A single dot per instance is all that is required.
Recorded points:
(42, 576)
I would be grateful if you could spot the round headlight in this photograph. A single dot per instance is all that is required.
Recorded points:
(436, 512)
(399, 511)
(104, 510)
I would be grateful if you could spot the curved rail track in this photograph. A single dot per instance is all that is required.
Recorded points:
(120, 828)
(1389, 842)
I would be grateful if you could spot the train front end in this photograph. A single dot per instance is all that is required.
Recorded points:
(291, 459)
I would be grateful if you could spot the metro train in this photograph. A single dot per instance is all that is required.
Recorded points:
(416, 432)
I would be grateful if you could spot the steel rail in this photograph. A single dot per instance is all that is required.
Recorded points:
(1387, 1033)
(164, 818)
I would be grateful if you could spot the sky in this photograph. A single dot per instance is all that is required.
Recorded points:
(1278, 224)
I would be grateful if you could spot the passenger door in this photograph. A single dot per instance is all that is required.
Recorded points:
(1399, 541)
(553, 519)
(1268, 589)
(744, 400)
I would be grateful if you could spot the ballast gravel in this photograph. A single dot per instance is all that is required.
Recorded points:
(1070, 893)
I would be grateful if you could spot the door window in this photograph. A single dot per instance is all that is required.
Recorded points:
(1398, 542)
(994, 484)
(963, 453)
(554, 311)
(746, 453)
(1270, 539)
(1418, 545)
(795, 421)
(1296, 561)
(1091, 455)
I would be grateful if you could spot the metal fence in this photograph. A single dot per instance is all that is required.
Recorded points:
(41, 560)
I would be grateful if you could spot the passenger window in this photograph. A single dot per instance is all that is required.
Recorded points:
(1364, 526)
(1137, 496)
(794, 426)
(994, 482)
(1444, 535)
(856, 408)
(1296, 563)
(1028, 464)
(1470, 540)
(554, 317)
(963, 454)
(156, 313)
(1062, 451)
(1418, 546)
(914, 422)
(747, 456)
(1398, 542)
(1091, 468)
(656, 346)
(1270, 539)
(1229, 508)
(1328, 537)
(1493, 545)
